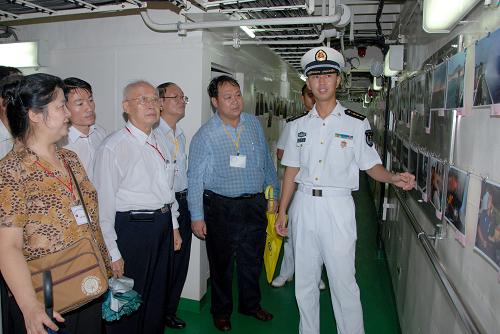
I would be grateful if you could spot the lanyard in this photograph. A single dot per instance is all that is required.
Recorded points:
(155, 146)
(68, 185)
(175, 141)
(235, 142)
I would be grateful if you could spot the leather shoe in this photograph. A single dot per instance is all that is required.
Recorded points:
(172, 321)
(222, 324)
(260, 314)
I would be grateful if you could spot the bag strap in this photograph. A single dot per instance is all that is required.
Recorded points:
(80, 196)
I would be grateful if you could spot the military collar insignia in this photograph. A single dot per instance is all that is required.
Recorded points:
(301, 134)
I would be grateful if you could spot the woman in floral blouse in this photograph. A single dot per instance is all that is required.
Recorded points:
(37, 195)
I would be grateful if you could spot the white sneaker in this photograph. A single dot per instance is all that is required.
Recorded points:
(322, 285)
(279, 281)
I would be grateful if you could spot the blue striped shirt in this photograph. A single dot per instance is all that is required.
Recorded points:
(209, 168)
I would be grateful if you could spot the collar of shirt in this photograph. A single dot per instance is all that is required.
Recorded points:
(163, 126)
(4, 133)
(337, 111)
(140, 136)
(243, 118)
(27, 155)
(74, 134)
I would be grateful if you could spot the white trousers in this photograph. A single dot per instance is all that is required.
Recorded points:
(324, 231)
(288, 263)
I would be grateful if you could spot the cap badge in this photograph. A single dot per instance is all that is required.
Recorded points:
(320, 55)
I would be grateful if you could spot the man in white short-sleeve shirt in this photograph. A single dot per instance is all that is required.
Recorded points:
(323, 154)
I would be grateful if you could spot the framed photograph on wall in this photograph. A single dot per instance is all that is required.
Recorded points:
(427, 101)
(487, 241)
(413, 163)
(419, 92)
(487, 72)
(456, 201)
(437, 185)
(423, 175)
(438, 98)
(455, 88)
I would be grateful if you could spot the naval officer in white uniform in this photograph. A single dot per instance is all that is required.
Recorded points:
(324, 153)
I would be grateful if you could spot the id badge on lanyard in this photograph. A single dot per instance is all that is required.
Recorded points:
(238, 161)
(79, 213)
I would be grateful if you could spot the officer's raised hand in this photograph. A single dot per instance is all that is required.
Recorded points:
(405, 181)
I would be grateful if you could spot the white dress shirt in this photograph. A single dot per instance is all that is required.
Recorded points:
(284, 136)
(331, 151)
(6, 141)
(132, 171)
(84, 145)
(177, 152)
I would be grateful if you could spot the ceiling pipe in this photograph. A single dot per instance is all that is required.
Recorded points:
(310, 6)
(324, 34)
(181, 27)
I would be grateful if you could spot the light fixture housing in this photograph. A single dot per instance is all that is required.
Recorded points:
(440, 16)
(394, 60)
(20, 54)
(248, 31)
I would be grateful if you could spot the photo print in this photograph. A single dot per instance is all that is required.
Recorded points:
(422, 175)
(427, 101)
(439, 87)
(437, 185)
(488, 224)
(455, 91)
(456, 198)
(487, 72)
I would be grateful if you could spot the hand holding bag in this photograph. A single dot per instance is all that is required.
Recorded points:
(78, 272)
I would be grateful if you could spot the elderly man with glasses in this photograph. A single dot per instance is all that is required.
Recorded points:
(134, 177)
(172, 110)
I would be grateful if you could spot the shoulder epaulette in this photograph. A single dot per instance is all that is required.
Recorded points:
(354, 114)
(293, 118)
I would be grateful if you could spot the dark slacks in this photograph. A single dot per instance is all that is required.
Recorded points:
(181, 257)
(86, 319)
(236, 229)
(145, 242)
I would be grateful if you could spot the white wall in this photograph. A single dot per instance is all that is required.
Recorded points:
(423, 306)
(111, 52)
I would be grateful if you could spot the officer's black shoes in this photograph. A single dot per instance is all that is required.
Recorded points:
(172, 321)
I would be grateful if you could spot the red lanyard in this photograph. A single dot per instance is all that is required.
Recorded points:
(68, 185)
(155, 147)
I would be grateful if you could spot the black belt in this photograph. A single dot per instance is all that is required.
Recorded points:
(163, 209)
(181, 194)
(242, 196)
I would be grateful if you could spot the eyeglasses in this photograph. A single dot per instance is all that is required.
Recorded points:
(183, 98)
(144, 100)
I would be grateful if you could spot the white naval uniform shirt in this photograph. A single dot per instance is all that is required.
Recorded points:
(180, 159)
(6, 141)
(84, 145)
(129, 175)
(331, 151)
(284, 136)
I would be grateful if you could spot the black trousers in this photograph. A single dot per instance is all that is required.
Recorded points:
(236, 230)
(145, 242)
(87, 319)
(181, 257)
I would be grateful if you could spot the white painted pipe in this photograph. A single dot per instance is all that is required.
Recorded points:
(310, 6)
(183, 26)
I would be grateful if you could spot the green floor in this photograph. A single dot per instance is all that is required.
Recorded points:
(373, 279)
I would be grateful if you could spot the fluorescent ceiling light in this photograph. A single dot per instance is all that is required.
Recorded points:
(248, 31)
(440, 16)
(23, 54)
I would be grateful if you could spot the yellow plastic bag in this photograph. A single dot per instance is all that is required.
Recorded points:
(273, 240)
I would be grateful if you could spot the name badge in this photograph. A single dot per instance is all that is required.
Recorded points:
(79, 213)
(238, 161)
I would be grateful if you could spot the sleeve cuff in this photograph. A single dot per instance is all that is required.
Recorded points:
(370, 165)
(175, 223)
(289, 163)
(114, 253)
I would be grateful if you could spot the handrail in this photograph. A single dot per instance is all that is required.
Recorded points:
(460, 307)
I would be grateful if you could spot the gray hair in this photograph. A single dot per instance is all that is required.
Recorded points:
(128, 88)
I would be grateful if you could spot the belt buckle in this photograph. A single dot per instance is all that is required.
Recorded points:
(317, 192)
(164, 209)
